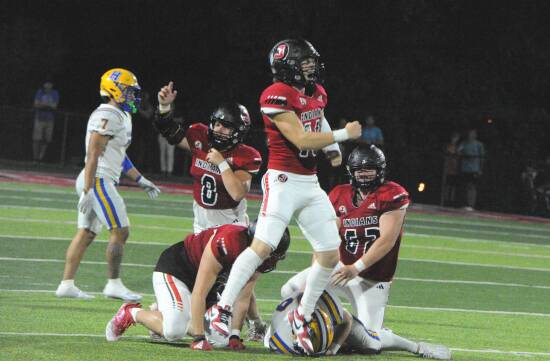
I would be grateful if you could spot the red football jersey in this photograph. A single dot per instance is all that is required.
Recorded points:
(283, 155)
(208, 188)
(228, 242)
(360, 225)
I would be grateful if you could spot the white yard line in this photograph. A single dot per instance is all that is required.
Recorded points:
(418, 308)
(291, 272)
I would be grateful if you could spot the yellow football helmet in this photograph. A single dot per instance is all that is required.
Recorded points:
(322, 330)
(122, 86)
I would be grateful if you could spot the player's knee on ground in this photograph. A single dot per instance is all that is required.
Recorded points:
(175, 324)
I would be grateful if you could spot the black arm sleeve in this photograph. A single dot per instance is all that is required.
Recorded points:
(173, 131)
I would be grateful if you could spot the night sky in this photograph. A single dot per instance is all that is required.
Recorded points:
(423, 68)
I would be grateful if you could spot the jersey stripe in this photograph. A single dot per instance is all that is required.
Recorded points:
(280, 344)
(266, 194)
(99, 196)
(111, 210)
(178, 304)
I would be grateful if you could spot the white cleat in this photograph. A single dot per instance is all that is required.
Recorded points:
(72, 292)
(433, 351)
(121, 292)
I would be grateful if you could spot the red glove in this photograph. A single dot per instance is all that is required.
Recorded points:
(236, 343)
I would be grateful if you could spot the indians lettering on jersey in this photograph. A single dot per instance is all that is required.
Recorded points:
(280, 97)
(208, 188)
(228, 241)
(360, 226)
(108, 120)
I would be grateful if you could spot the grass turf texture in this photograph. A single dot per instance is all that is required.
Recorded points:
(475, 285)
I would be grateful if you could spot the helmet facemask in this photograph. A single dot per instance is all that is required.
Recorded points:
(366, 158)
(234, 117)
(130, 98)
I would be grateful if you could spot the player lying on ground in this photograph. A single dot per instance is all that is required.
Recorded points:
(108, 135)
(222, 167)
(293, 114)
(371, 211)
(183, 283)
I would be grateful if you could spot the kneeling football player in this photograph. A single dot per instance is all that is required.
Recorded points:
(183, 282)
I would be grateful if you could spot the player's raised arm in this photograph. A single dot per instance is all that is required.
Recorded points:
(291, 127)
(173, 131)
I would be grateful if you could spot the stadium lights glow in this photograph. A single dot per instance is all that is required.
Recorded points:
(421, 186)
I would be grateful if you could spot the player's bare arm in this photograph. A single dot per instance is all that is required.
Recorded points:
(169, 128)
(236, 182)
(206, 277)
(291, 127)
(390, 226)
(96, 147)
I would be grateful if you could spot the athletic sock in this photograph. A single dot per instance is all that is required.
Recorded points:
(115, 282)
(133, 312)
(391, 341)
(67, 283)
(242, 270)
(317, 281)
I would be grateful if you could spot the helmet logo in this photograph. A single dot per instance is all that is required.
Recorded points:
(281, 52)
(115, 75)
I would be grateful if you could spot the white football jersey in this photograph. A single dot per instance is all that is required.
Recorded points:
(111, 121)
(279, 337)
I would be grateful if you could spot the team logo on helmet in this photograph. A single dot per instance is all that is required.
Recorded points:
(281, 52)
(282, 178)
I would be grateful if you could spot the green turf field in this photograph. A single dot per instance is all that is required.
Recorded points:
(480, 287)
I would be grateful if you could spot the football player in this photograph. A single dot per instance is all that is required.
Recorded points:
(332, 328)
(371, 213)
(293, 114)
(108, 135)
(222, 168)
(183, 281)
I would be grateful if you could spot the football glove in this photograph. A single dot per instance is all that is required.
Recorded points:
(152, 190)
(86, 202)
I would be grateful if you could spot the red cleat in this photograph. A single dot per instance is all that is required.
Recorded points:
(201, 345)
(301, 330)
(120, 321)
(220, 320)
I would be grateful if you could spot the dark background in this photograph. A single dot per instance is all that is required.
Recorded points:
(421, 68)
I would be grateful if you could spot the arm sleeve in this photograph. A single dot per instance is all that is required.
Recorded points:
(250, 162)
(276, 99)
(127, 165)
(395, 198)
(106, 123)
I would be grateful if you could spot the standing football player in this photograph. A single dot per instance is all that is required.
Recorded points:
(371, 213)
(222, 168)
(108, 135)
(293, 114)
(183, 281)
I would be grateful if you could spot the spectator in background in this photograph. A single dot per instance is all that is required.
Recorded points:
(472, 154)
(371, 134)
(450, 171)
(45, 104)
(528, 194)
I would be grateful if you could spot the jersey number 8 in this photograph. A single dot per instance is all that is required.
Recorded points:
(209, 194)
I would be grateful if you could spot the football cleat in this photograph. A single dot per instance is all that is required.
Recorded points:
(120, 322)
(121, 292)
(256, 331)
(72, 292)
(236, 343)
(220, 319)
(433, 351)
(301, 331)
(201, 345)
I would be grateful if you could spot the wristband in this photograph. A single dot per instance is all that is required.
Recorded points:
(223, 166)
(164, 108)
(340, 135)
(359, 265)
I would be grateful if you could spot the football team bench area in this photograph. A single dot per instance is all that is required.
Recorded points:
(478, 284)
